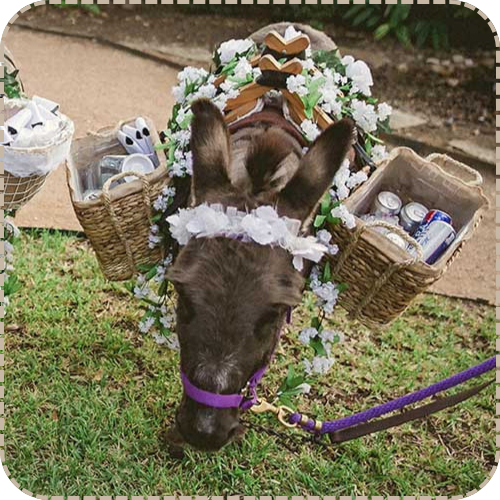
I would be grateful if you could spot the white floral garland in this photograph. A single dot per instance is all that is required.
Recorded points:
(262, 225)
(341, 87)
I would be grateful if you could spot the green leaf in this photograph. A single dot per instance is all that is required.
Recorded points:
(319, 221)
(353, 11)
(327, 273)
(152, 272)
(318, 347)
(382, 31)
(403, 34)
(362, 17)
(145, 268)
(315, 323)
(325, 204)
(163, 289)
(422, 31)
(286, 401)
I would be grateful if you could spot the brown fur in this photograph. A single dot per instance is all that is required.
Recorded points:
(233, 296)
(266, 154)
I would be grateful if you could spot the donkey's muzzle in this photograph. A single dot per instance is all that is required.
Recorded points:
(207, 429)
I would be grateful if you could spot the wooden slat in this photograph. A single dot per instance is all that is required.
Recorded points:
(241, 111)
(268, 62)
(249, 92)
(292, 47)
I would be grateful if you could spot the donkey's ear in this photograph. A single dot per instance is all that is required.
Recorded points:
(300, 196)
(210, 147)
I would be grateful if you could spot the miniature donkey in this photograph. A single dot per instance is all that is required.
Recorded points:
(233, 296)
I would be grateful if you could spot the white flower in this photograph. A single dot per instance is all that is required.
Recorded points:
(178, 223)
(230, 49)
(319, 365)
(154, 240)
(307, 248)
(186, 77)
(208, 222)
(160, 204)
(384, 111)
(167, 321)
(356, 179)
(160, 275)
(141, 292)
(340, 180)
(360, 74)
(324, 237)
(331, 336)
(257, 229)
(163, 201)
(365, 115)
(379, 153)
(327, 295)
(168, 191)
(182, 137)
(146, 324)
(347, 218)
(207, 90)
(297, 84)
(310, 129)
(243, 69)
(291, 33)
(304, 388)
(171, 342)
(307, 334)
(182, 116)
(308, 64)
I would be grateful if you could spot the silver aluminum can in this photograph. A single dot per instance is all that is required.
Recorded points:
(397, 240)
(387, 203)
(411, 216)
(435, 239)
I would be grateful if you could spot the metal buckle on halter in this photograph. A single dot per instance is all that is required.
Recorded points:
(281, 412)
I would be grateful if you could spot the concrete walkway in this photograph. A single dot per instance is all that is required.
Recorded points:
(98, 86)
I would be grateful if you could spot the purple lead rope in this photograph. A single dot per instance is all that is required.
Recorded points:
(399, 403)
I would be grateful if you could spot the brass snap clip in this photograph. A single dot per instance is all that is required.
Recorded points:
(281, 412)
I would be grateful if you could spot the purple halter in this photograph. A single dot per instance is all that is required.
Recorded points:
(243, 400)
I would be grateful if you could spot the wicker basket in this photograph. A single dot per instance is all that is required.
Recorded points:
(19, 190)
(118, 222)
(382, 278)
(26, 169)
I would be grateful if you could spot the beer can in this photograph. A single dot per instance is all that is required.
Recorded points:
(387, 203)
(432, 216)
(411, 216)
(435, 239)
(397, 240)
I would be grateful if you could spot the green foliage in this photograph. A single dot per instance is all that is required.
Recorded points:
(12, 86)
(409, 24)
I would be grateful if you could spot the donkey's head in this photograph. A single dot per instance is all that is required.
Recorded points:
(233, 296)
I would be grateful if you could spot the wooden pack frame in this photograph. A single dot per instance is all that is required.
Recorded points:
(249, 94)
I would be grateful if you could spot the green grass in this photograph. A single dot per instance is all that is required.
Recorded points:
(88, 398)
